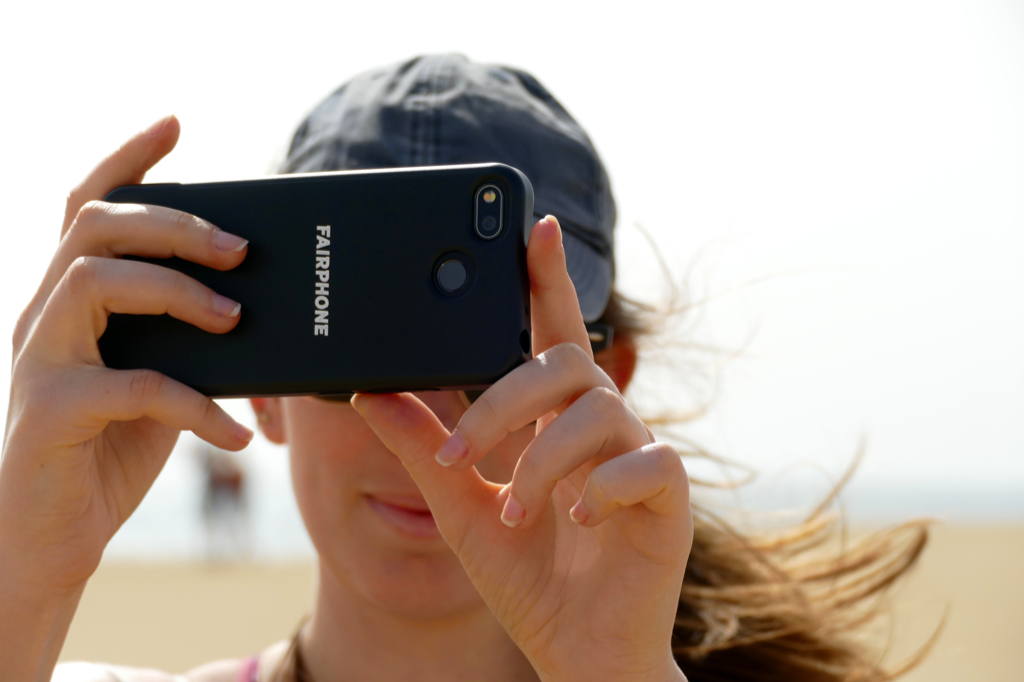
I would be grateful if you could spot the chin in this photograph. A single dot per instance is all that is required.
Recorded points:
(425, 587)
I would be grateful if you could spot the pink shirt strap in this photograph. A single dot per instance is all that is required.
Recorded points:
(250, 669)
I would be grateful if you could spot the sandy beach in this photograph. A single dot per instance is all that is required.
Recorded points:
(175, 616)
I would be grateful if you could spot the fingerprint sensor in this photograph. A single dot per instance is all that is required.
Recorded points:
(451, 276)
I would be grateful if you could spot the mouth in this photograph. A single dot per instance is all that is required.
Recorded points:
(407, 515)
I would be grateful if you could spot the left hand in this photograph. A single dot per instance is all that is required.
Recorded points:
(587, 594)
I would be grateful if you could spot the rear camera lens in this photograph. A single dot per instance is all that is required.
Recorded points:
(489, 211)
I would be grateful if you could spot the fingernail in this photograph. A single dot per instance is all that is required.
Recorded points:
(453, 451)
(155, 128)
(579, 513)
(242, 433)
(513, 513)
(552, 229)
(225, 241)
(222, 305)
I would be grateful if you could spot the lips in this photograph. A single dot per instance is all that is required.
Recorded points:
(407, 515)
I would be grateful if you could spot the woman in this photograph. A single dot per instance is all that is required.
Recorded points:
(540, 532)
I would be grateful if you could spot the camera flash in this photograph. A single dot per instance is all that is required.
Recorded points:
(490, 196)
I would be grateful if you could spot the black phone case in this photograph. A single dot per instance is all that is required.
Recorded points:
(389, 325)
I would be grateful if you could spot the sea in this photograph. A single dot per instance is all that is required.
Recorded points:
(170, 524)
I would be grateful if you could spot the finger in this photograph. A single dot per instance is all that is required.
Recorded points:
(597, 427)
(548, 383)
(94, 287)
(653, 476)
(414, 434)
(126, 166)
(126, 395)
(112, 230)
(554, 308)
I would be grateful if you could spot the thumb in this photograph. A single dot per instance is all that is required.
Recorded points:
(126, 166)
(411, 431)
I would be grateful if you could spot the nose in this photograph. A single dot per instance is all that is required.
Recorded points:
(446, 405)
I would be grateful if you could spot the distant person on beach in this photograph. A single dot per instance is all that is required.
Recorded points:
(538, 531)
(225, 512)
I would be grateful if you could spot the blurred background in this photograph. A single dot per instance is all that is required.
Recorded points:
(840, 184)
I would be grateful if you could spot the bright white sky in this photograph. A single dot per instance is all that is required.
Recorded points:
(866, 157)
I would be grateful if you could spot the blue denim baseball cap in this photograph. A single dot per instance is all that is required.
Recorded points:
(444, 109)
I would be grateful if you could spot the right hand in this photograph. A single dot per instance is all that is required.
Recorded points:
(84, 443)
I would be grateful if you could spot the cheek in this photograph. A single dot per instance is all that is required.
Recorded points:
(333, 454)
(329, 439)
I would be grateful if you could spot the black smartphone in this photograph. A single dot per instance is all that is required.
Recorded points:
(405, 279)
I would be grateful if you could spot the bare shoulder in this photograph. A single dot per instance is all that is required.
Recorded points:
(217, 671)
(228, 669)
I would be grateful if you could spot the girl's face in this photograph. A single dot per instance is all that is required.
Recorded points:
(365, 515)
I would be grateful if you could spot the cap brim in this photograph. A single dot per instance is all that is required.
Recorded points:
(591, 274)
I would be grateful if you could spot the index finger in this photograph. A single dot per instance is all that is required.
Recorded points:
(554, 308)
(126, 166)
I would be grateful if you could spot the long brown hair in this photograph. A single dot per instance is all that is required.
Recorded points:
(788, 605)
